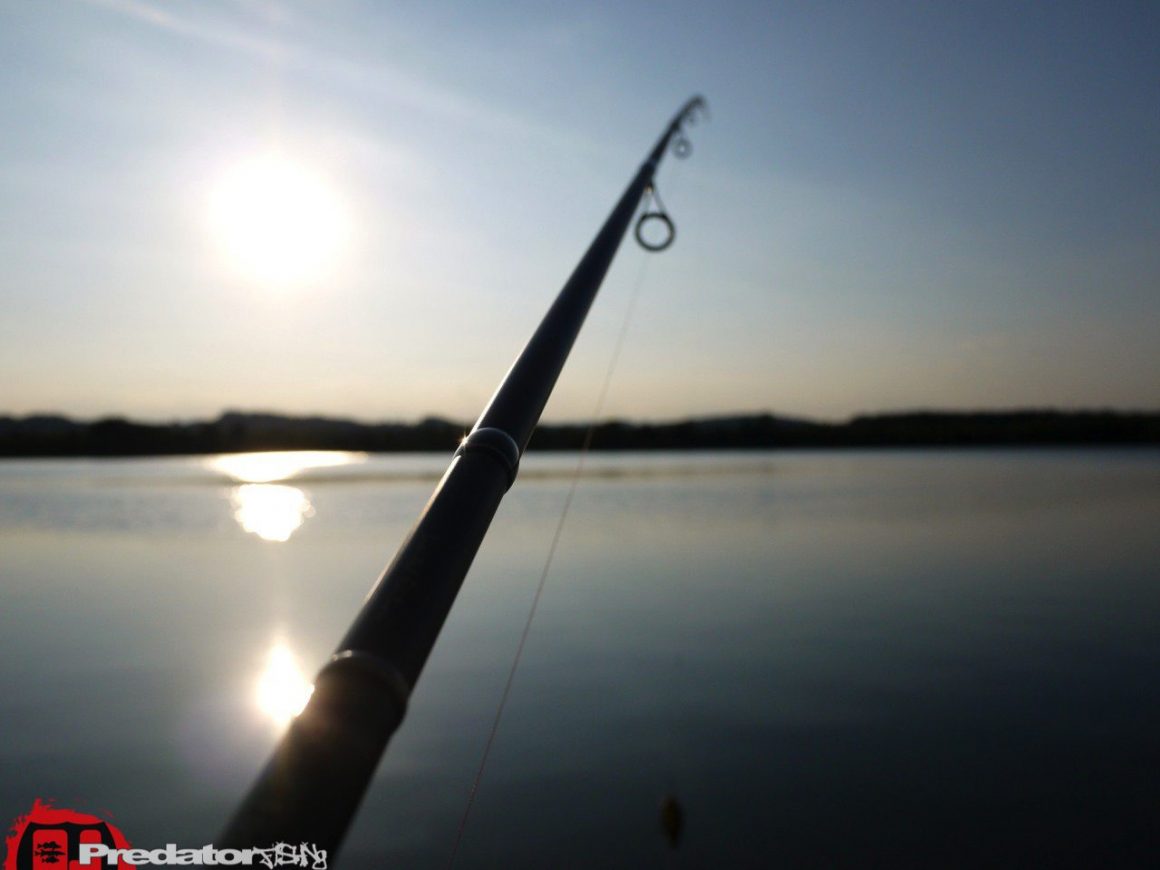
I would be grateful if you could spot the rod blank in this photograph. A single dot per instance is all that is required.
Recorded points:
(310, 789)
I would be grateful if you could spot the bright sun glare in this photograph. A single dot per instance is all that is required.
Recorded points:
(282, 689)
(271, 511)
(277, 222)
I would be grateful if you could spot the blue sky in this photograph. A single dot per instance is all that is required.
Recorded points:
(893, 206)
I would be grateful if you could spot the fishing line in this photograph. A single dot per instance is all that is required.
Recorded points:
(575, 480)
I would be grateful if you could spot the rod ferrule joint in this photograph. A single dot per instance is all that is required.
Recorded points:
(385, 674)
(497, 444)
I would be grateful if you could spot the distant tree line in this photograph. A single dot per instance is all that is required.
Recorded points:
(45, 435)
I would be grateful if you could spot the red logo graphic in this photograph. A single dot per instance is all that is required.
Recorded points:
(48, 838)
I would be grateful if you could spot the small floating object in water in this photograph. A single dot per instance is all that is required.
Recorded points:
(672, 819)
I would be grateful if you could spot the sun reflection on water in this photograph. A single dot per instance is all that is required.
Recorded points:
(282, 689)
(272, 511)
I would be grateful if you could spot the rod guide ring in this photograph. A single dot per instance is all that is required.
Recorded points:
(669, 228)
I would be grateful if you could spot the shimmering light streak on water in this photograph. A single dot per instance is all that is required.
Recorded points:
(279, 465)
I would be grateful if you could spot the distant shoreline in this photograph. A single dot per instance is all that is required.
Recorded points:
(50, 435)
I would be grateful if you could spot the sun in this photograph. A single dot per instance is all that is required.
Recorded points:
(277, 222)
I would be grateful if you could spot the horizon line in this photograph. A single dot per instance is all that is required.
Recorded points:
(905, 411)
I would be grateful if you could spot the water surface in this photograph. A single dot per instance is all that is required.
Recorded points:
(939, 658)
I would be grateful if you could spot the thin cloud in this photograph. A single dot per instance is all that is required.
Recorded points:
(357, 73)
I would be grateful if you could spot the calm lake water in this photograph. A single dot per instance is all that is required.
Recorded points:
(935, 659)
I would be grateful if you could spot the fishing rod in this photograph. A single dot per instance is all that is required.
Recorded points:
(311, 787)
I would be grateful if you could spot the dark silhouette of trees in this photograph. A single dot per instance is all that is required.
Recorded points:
(48, 435)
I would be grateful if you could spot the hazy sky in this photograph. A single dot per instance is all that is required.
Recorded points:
(893, 205)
